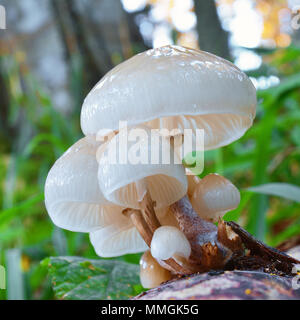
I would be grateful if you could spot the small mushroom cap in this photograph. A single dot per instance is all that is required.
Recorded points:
(166, 183)
(118, 236)
(151, 273)
(72, 195)
(117, 239)
(174, 87)
(168, 241)
(214, 195)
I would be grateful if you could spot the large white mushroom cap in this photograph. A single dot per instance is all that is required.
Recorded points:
(174, 87)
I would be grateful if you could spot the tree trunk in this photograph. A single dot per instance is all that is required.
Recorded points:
(5, 128)
(211, 36)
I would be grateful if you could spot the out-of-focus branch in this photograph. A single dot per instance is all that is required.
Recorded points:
(59, 13)
(92, 71)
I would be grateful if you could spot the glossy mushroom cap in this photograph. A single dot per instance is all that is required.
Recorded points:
(213, 196)
(166, 183)
(174, 87)
(169, 241)
(72, 195)
(152, 274)
(117, 238)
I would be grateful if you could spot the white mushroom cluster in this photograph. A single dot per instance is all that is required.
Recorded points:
(125, 206)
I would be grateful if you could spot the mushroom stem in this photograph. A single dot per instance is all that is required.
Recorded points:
(147, 234)
(183, 268)
(146, 222)
(147, 205)
(140, 224)
(207, 252)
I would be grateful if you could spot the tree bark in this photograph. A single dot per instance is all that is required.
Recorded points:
(60, 13)
(93, 72)
(230, 285)
(211, 36)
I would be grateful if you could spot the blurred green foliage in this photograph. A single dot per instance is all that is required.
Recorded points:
(38, 135)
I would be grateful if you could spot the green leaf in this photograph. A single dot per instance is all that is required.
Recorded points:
(284, 190)
(257, 215)
(78, 278)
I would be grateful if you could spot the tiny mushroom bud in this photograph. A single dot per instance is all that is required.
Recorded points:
(152, 274)
(214, 196)
(168, 242)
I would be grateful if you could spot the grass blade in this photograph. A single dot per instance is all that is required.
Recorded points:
(284, 190)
